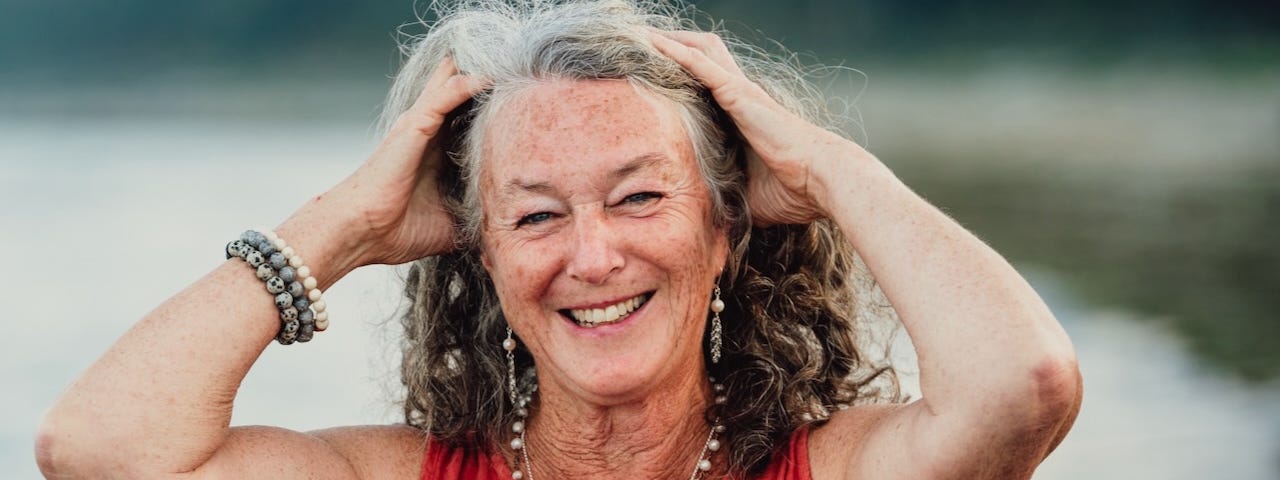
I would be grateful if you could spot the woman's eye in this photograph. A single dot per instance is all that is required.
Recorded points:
(534, 218)
(641, 197)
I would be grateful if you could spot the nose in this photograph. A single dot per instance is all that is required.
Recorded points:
(593, 256)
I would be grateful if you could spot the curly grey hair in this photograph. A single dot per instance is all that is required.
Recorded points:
(790, 350)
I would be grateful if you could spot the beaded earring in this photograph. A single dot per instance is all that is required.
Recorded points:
(717, 306)
(509, 344)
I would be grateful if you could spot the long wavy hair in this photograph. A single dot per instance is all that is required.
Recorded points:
(795, 293)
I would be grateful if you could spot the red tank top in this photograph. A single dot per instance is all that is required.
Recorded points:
(470, 463)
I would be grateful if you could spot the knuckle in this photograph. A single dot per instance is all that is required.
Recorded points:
(455, 82)
(416, 121)
(733, 91)
(681, 54)
(715, 41)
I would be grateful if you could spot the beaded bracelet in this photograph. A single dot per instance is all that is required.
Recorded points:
(288, 279)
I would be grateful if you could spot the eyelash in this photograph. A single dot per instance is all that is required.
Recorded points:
(644, 197)
(534, 218)
(539, 217)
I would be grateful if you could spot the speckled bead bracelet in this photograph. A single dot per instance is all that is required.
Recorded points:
(288, 280)
(278, 261)
(244, 248)
(301, 285)
(288, 332)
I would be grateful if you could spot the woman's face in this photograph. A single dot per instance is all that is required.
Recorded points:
(599, 238)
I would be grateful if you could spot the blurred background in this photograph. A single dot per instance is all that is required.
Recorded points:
(1125, 155)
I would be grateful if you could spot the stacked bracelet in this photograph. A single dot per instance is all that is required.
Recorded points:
(302, 310)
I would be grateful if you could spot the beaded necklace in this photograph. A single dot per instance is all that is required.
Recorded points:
(520, 443)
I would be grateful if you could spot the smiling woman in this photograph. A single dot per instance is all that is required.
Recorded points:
(615, 180)
(633, 248)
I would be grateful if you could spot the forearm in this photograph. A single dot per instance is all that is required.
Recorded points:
(981, 333)
(160, 399)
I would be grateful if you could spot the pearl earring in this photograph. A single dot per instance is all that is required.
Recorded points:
(717, 306)
(510, 346)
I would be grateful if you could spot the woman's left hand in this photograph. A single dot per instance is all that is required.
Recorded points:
(783, 149)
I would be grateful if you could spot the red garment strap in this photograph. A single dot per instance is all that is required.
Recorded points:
(791, 463)
(442, 462)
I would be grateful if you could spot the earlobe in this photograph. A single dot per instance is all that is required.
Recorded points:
(484, 260)
(721, 255)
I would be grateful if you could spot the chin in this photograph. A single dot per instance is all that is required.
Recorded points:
(627, 374)
(624, 377)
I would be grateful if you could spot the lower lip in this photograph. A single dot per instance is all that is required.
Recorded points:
(609, 327)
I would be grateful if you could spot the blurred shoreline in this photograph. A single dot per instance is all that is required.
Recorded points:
(1150, 189)
(1140, 203)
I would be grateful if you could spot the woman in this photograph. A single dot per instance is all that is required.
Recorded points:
(653, 221)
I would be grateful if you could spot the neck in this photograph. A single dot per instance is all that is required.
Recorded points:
(659, 436)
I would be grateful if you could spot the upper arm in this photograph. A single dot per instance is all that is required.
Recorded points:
(375, 452)
(843, 437)
(363, 453)
(1005, 437)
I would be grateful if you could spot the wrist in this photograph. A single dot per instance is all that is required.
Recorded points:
(839, 164)
(323, 239)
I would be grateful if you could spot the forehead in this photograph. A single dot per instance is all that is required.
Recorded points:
(580, 126)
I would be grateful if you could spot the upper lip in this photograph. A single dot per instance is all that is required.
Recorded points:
(603, 304)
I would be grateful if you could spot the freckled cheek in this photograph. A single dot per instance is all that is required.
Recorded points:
(688, 238)
(680, 247)
(522, 273)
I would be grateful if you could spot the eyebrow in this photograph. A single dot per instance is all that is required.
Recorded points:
(638, 163)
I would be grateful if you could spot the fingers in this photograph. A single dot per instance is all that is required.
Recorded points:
(446, 89)
(708, 43)
(407, 142)
(777, 174)
(696, 60)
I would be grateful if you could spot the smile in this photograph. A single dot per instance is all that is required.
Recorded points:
(594, 317)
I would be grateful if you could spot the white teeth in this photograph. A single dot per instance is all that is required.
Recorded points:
(596, 316)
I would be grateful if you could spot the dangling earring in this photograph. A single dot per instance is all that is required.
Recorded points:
(717, 306)
(520, 403)
(510, 346)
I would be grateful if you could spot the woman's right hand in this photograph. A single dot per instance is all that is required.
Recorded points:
(391, 207)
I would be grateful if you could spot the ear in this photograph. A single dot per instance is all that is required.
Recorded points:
(720, 251)
(484, 260)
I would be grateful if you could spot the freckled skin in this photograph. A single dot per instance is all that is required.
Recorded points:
(600, 242)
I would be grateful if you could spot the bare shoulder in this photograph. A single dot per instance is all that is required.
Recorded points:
(378, 451)
(839, 439)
